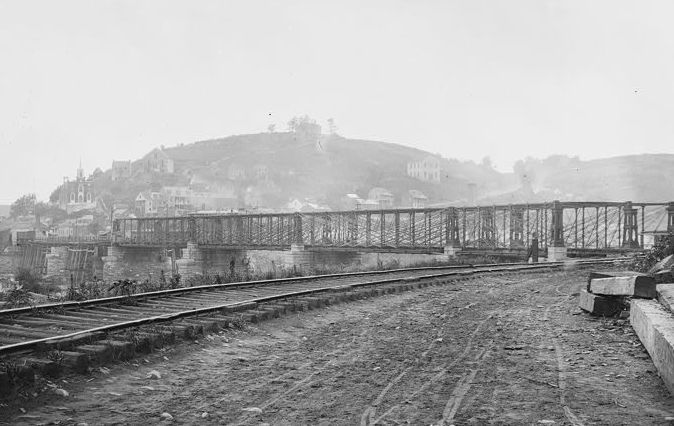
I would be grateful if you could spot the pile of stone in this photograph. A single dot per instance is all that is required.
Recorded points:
(608, 293)
(663, 271)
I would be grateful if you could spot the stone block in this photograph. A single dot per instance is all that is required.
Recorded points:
(121, 350)
(655, 327)
(665, 294)
(76, 361)
(636, 286)
(556, 254)
(46, 367)
(664, 276)
(608, 274)
(99, 354)
(599, 305)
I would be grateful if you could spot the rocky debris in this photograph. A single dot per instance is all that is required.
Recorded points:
(167, 417)
(154, 375)
(608, 293)
(61, 392)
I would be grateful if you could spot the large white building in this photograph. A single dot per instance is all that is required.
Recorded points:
(427, 169)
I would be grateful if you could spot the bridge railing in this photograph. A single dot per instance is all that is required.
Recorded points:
(70, 239)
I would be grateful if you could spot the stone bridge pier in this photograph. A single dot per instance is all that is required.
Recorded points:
(557, 250)
(141, 263)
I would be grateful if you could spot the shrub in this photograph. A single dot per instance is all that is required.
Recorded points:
(661, 249)
(28, 280)
(17, 298)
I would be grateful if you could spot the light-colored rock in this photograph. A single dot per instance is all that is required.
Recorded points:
(655, 327)
(635, 286)
(61, 392)
(154, 375)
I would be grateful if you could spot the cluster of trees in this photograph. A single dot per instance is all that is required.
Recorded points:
(23, 206)
(28, 205)
(297, 122)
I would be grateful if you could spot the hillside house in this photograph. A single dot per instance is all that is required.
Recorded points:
(261, 172)
(177, 200)
(427, 169)
(158, 161)
(383, 197)
(148, 204)
(415, 199)
(202, 200)
(77, 227)
(121, 170)
(236, 172)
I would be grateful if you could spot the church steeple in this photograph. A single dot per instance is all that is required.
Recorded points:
(80, 171)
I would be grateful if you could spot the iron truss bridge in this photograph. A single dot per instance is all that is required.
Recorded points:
(579, 226)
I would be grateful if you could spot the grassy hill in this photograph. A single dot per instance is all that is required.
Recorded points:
(268, 170)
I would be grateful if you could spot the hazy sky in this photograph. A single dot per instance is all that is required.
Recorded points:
(103, 80)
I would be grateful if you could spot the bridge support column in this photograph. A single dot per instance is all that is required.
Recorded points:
(516, 228)
(630, 226)
(557, 251)
(135, 263)
(56, 260)
(299, 258)
(191, 261)
(453, 244)
(670, 217)
(298, 236)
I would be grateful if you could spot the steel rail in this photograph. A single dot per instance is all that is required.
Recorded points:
(233, 306)
(196, 289)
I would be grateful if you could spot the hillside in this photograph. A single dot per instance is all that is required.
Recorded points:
(270, 169)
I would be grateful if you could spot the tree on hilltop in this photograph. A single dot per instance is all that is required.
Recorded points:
(296, 122)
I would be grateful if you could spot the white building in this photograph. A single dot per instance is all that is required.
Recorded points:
(427, 169)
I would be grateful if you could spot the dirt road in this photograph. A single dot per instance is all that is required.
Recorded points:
(497, 350)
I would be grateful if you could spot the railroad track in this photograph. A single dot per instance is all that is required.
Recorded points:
(74, 333)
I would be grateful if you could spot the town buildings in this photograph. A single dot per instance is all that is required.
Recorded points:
(158, 161)
(121, 170)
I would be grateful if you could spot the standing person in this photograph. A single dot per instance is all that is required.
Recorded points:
(532, 253)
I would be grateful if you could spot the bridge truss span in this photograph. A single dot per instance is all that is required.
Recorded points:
(605, 226)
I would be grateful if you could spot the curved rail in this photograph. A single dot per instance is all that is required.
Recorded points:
(35, 324)
(184, 290)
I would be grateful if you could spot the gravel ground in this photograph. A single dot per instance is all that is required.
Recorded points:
(495, 350)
